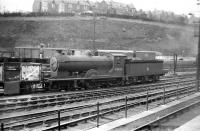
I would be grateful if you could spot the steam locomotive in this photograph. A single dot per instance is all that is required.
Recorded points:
(74, 69)
(74, 72)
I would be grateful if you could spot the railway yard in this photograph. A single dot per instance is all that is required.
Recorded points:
(48, 89)
(71, 91)
(97, 73)
(84, 110)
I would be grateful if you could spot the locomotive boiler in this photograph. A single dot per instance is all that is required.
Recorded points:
(80, 66)
(86, 71)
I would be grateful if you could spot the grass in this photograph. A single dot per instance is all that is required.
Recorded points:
(77, 32)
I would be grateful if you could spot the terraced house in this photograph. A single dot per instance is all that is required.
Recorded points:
(80, 6)
(61, 6)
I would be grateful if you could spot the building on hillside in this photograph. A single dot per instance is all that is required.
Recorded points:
(112, 7)
(83, 6)
(40, 6)
(61, 6)
(119, 8)
(53, 7)
(131, 10)
(80, 6)
(102, 7)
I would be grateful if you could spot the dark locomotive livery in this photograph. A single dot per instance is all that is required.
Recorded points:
(31, 70)
(72, 72)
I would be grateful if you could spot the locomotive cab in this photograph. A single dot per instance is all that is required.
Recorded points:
(118, 64)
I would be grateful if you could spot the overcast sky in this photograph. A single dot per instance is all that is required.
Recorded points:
(177, 6)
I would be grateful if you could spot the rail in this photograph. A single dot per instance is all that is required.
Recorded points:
(141, 100)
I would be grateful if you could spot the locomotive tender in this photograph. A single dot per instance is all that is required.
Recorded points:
(72, 72)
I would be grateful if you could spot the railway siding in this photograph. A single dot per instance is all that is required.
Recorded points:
(87, 111)
(53, 118)
(92, 103)
(138, 120)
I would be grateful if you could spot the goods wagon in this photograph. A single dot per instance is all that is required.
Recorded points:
(17, 77)
(146, 55)
(143, 55)
(44, 53)
(27, 52)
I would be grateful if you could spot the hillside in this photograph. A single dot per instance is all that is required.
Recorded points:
(77, 32)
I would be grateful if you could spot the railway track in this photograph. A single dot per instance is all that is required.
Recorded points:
(88, 111)
(181, 69)
(5, 99)
(28, 104)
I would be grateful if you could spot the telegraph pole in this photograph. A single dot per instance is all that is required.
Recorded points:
(198, 57)
(94, 21)
(198, 54)
(175, 62)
